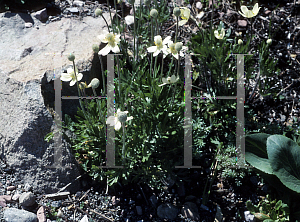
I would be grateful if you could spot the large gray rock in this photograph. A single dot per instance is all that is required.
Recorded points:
(29, 60)
(16, 215)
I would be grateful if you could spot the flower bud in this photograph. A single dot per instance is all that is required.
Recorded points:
(95, 48)
(178, 46)
(240, 42)
(122, 116)
(147, 2)
(269, 41)
(176, 11)
(82, 85)
(71, 57)
(153, 13)
(98, 12)
(94, 83)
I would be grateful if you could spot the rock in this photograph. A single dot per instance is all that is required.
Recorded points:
(78, 3)
(10, 188)
(41, 15)
(249, 217)
(4, 199)
(139, 210)
(28, 25)
(242, 23)
(16, 196)
(153, 200)
(26, 90)
(27, 199)
(16, 215)
(199, 5)
(27, 187)
(190, 210)
(73, 10)
(219, 215)
(167, 211)
(115, 201)
(41, 214)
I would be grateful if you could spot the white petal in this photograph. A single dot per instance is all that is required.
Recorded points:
(79, 76)
(72, 83)
(165, 80)
(118, 125)
(156, 53)
(182, 22)
(167, 39)
(158, 37)
(129, 19)
(65, 77)
(111, 120)
(118, 111)
(162, 84)
(129, 118)
(244, 9)
(116, 49)
(152, 49)
(105, 50)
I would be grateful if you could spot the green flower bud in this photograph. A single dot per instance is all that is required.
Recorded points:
(176, 11)
(94, 83)
(153, 13)
(71, 57)
(122, 116)
(269, 41)
(240, 42)
(95, 48)
(98, 12)
(147, 2)
(178, 46)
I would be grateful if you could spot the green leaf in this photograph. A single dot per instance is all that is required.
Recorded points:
(284, 155)
(256, 152)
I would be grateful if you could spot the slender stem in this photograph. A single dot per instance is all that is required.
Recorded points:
(103, 78)
(99, 106)
(177, 21)
(134, 32)
(151, 44)
(119, 77)
(111, 21)
(162, 68)
(118, 24)
(106, 23)
(123, 148)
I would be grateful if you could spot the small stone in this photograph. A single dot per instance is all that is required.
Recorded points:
(14, 215)
(59, 213)
(27, 199)
(131, 202)
(167, 211)
(249, 217)
(27, 187)
(41, 15)
(242, 23)
(41, 215)
(10, 188)
(153, 200)
(139, 210)
(190, 210)
(199, 5)
(16, 196)
(115, 201)
(56, 203)
(28, 25)
(78, 3)
(73, 10)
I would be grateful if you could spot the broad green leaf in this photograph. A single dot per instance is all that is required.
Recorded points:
(284, 156)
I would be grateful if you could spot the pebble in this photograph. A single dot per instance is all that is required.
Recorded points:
(28, 25)
(10, 188)
(73, 10)
(139, 210)
(27, 187)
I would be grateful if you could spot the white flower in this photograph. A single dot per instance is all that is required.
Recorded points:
(249, 13)
(129, 19)
(159, 45)
(112, 41)
(240, 41)
(169, 80)
(269, 41)
(119, 118)
(70, 76)
(173, 50)
(219, 35)
(185, 15)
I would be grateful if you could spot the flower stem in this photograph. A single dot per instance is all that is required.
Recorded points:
(111, 21)
(103, 78)
(134, 33)
(106, 22)
(123, 148)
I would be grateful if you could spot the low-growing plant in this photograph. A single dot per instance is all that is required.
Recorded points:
(268, 210)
